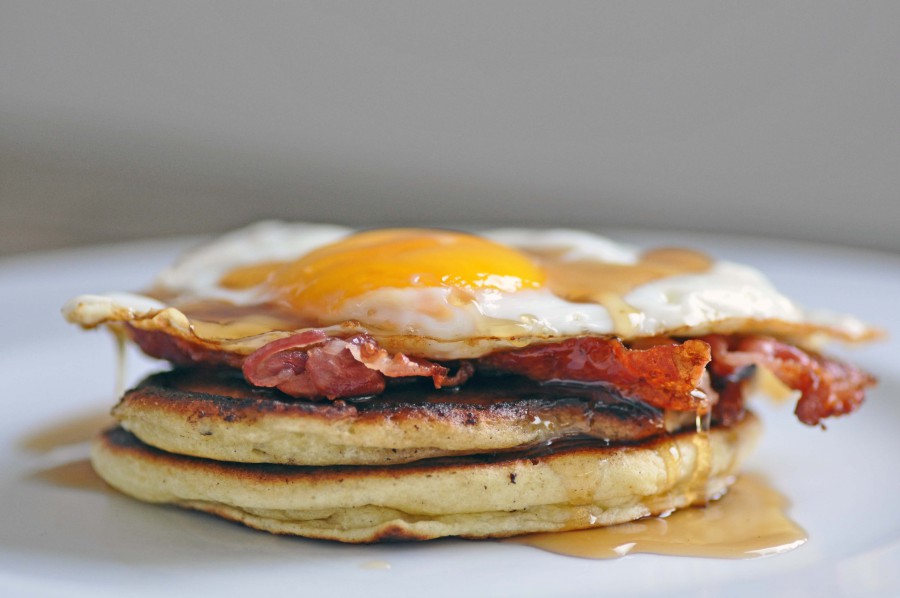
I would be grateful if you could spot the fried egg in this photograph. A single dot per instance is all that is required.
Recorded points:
(449, 295)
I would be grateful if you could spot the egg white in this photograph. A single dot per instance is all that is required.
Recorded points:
(197, 274)
(437, 322)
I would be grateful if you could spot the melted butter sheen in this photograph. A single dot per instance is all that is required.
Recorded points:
(749, 522)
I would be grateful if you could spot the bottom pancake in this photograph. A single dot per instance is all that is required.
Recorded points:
(564, 486)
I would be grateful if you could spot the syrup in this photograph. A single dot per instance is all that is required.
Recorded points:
(77, 475)
(79, 429)
(608, 283)
(57, 441)
(121, 340)
(749, 522)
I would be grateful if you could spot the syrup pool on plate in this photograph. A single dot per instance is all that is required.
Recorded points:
(749, 522)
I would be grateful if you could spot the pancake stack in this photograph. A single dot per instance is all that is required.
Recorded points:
(496, 458)
(413, 384)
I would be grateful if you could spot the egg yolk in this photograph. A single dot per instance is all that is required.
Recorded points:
(400, 258)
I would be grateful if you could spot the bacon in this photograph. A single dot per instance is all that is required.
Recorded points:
(311, 365)
(665, 376)
(828, 387)
(180, 351)
(668, 375)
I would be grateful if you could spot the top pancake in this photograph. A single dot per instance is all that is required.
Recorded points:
(217, 415)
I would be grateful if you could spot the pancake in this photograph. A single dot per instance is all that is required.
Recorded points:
(567, 485)
(217, 415)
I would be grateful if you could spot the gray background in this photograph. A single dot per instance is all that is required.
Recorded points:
(124, 120)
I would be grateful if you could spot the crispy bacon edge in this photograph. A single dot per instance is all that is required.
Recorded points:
(665, 376)
(828, 388)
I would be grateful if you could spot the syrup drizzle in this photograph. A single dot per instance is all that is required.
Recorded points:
(608, 283)
(749, 522)
(121, 362)
(703, 467)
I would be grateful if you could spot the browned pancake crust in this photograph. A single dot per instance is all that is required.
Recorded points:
(199, 394)
(120, 440)
(216, 414)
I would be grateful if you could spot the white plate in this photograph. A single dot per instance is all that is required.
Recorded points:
(59, 540)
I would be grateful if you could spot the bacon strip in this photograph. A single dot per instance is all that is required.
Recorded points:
(828, 387)
(311, 365)
(665, 376)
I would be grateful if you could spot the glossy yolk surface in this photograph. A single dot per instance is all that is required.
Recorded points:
(326, 277)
